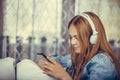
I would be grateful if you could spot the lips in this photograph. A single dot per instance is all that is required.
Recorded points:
(76, 48)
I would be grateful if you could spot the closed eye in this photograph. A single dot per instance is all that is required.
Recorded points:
(76, 37)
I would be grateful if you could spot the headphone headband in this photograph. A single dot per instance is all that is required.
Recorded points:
(93, 37)
(90, 22)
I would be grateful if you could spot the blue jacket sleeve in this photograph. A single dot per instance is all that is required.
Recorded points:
(101, 68)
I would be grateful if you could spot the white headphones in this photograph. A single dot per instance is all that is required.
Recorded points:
(93, 37)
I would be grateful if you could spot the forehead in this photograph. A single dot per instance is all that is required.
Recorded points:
(72, 30)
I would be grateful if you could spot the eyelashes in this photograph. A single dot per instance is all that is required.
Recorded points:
(75, 37)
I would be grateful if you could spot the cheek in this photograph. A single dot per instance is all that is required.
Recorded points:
(79, 46)
(78, 43)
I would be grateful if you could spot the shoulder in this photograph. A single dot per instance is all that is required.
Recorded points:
(101, 66)
(102, 58)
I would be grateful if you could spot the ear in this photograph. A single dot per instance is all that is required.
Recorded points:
(93, 38)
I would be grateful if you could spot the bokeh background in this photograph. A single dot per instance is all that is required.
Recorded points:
(31, 26)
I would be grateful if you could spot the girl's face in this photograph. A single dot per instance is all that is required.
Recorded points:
(74, 39)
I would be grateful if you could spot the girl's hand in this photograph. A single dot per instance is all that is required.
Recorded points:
(54, 69)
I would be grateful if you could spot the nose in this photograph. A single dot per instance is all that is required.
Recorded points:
(73, 41)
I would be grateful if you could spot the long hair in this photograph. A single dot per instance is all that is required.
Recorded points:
(88, 50)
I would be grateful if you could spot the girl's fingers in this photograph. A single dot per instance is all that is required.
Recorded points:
(43, 62)
(52, 60)
(48, 73)
(49, 68)
(41, 65)
(46, 65)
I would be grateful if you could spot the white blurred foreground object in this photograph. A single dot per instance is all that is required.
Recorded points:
(7, 70)
(28, 70)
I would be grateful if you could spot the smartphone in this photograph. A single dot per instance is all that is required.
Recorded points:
(45, 57)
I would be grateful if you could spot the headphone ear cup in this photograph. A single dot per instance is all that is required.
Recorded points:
(93, 39)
